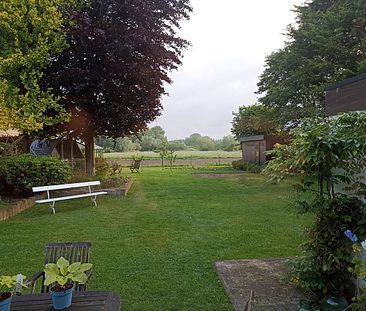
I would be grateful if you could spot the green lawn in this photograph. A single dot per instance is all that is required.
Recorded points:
(157, 247)
(184, 154)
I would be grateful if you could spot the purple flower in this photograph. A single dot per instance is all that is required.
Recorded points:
(351, 236)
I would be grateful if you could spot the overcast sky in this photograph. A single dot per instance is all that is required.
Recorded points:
(230, 40)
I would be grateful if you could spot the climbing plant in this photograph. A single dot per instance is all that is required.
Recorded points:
(330, 155)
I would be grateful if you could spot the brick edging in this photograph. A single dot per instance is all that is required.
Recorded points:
(120, 192)
(16, 208)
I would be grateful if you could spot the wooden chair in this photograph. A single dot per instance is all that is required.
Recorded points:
(135, 166)
(73, 252)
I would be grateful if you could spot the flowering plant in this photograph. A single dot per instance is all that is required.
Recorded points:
(359, 269)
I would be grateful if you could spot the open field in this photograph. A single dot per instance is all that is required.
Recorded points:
(184, 154)
(156, 247)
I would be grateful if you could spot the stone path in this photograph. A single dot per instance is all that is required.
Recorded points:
(265, 277)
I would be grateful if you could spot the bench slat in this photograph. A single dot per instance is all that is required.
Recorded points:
(71, 197)
(66, 186)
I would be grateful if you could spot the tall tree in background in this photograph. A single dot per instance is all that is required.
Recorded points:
(31, 32)
(111, 77)
(326, 44)
(255, 120)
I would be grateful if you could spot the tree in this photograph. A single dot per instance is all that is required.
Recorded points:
(125, 144)
(227, 143)
(178, 144)
(31, 33)
(152, 138)
(254, 120)
(111, 77)
(157, 132)
(326, 44)
(203, 143)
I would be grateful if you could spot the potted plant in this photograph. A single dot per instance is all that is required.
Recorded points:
(61, 276)
(6, 284)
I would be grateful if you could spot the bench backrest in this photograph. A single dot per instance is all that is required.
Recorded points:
(66, 186)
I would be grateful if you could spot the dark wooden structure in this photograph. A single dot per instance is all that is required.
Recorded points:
(81, 301)
(254, 147)
(72, 251)
(347, 95)
(68, 149)
(135, 166)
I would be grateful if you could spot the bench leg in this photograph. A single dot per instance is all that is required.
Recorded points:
(94, 200)
(52, 207)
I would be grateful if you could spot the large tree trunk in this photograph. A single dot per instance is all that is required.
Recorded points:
(89, 156)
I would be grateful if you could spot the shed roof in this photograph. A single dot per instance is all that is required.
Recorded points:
(251, 138)
(339, 84)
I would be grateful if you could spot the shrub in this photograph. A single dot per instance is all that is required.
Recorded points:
(110, 175)
(18, 174)
(246, 166)
(327, 259)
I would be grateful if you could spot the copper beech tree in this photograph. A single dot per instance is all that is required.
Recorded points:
(111, 77)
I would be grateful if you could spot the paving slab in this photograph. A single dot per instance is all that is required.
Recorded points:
(265, 277)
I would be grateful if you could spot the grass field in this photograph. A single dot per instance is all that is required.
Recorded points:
(157, 246)
(184, 154)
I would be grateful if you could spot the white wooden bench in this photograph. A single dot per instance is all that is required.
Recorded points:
(52, 201)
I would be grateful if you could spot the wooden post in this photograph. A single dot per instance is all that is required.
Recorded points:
(89, 156)
(72, 152)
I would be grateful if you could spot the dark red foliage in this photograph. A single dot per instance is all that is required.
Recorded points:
(120, 54)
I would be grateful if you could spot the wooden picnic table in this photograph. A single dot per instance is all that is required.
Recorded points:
(81, 301)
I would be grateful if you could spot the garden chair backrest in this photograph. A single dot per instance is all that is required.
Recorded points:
(72, 251)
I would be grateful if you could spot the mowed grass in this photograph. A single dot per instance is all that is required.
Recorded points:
(157, 246)
(183, 154)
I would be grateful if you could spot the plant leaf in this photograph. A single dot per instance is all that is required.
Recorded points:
(85, 267)
(63, 264)
(74, 267)
(62, 280)
(80, 277)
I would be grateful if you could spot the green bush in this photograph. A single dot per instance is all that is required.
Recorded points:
(246, 166)
(110, 175)
(18, 174)
(325, 266)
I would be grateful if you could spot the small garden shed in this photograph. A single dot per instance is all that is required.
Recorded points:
(345, 96)
(254, 147)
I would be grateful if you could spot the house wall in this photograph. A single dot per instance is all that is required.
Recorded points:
(350, 97)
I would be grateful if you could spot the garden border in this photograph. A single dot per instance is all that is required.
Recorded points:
(16, 208)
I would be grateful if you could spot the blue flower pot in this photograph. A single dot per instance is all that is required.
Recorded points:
(5, 305)
(61, 300)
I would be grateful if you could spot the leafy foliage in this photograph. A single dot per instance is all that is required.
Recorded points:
(328, 258)
(203, 143)
(22, 172)
(333, 150)
(326, 44)
(110, 175)
(7, 282)
(31, 32)
(246, 166)
(327, 152)
(63, 272)
(254, 120)
(111, 77)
